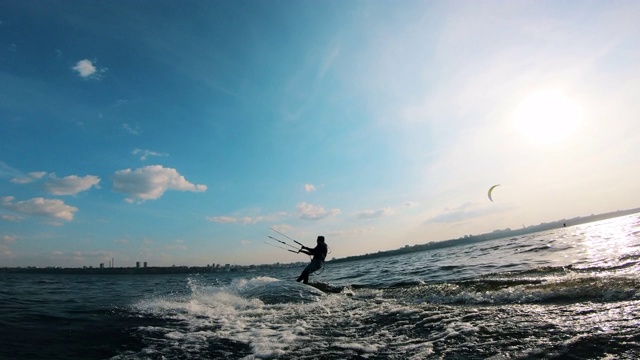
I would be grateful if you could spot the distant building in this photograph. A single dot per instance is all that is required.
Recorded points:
(145, 264)
(137, 264)
(101, 265)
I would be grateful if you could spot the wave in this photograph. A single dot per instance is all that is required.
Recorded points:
(617, 281)
(266, 289)
(614, 281)
(495, 292)
(260, 317)
(537, 249)
(264, 317)
(543, 285)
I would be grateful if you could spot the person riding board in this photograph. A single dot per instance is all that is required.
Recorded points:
(319, 253)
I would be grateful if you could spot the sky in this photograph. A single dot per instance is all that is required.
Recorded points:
(182, 132)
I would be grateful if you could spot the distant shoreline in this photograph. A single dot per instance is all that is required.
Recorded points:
(496, 234)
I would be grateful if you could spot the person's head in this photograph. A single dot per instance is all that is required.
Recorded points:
(320, 239)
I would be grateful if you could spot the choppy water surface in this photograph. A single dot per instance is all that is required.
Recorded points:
(567, 293)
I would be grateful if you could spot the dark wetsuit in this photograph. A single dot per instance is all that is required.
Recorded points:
(319, 254)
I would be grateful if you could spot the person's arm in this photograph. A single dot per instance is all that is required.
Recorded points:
(310, 251)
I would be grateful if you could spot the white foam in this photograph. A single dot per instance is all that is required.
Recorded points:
(269, 329)
(420, 350)
(338, 321)
(174, 335)
(368, 348)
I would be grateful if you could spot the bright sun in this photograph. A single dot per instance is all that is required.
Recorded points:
(547, 117)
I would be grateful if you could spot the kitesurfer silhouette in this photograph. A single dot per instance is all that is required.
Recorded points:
(319, 253)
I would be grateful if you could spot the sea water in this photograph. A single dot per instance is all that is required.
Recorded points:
(570, 293)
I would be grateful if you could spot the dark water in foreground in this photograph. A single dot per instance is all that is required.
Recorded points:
(571, 293)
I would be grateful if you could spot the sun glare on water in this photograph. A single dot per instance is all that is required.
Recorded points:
(547, 117)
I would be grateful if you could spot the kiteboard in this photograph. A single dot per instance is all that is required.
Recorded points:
(326, 287)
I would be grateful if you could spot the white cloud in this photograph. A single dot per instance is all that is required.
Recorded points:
(309, 187)
(245, 242)
(5, 251)
(374, 214)
(133, 130)
(463, 212)
(8, 239)
(151, 182)
(71, 185)
(33, 176)
(87, 70)
(313, 212)
(251, 219)
(144, 154)
(56, 209)
(244, 220)
(6, 170)
(222, 219)
(283, 228)
(411, 204)
(13, 218)
(351, 232)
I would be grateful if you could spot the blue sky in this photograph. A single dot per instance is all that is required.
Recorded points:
(180, 132)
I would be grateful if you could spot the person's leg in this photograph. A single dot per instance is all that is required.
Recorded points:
(313, 266)
(304, 276)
